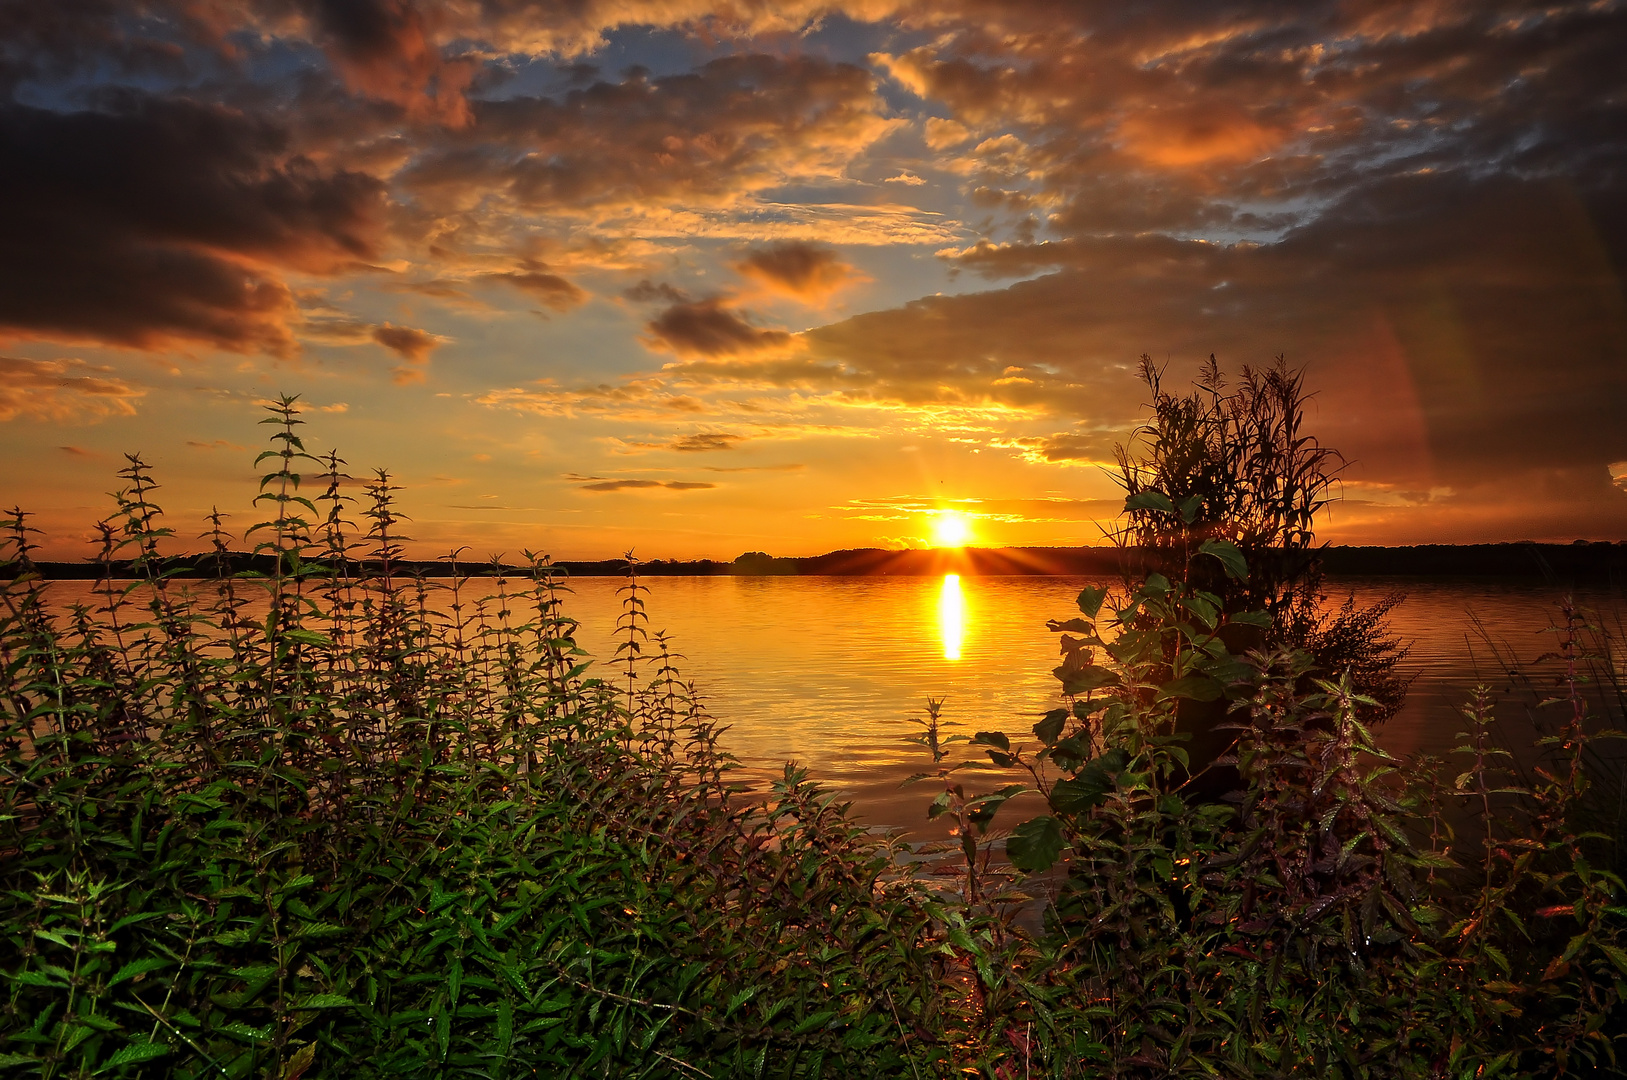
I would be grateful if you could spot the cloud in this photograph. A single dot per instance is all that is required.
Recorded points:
(639, 485)
(942, 134)
(646, 291)
(714, 137)
(149, 222)
(553, 291)
(707, 328)
(1243, 120)
(413, 346)
(803, 271)
(906, 177)
(635, 399)
(387, 50)
(63, 391)
(1065, 447)
(705, 441)
(1464, 333)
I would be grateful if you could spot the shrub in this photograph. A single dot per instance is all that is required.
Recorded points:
(1237, 466)
(1326, 920)
(1245, 883)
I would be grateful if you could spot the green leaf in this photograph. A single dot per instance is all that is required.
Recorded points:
(1071, 626)
(1149, 500)
(1082, 680)
(306, 637)
(1232, 559)
(984, 807)
(1049, 729)
(1034, 845)
(138, 967)
(1190, 507)
(1087, 789)
(1252, 618)
(991, 738)
(818, 1019)
(130, 1055)
(1090, 600)
(324, 1001)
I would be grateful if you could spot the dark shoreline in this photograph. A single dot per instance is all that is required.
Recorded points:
(1593, 562)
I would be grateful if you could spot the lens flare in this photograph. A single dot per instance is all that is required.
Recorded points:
(951, 616)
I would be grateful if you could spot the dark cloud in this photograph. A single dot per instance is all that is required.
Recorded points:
(152, 221)
(707, 328)
(388, 49)
(648, 291)
(797, 268)
(65, 38)
(551, 290)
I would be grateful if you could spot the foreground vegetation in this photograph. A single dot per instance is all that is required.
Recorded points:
(324, 822)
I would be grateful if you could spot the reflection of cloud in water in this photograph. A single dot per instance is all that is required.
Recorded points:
(951, 616)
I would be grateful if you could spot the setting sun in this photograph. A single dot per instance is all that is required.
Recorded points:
(950, 529)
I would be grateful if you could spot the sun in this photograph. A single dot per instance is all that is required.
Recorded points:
(950, 529)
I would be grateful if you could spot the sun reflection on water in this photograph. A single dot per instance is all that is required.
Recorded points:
(951, 616)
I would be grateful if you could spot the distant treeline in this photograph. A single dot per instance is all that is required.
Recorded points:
(1581, 561)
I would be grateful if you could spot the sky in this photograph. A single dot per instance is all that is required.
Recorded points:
(696, 278)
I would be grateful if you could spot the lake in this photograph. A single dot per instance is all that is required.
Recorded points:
(830, 671)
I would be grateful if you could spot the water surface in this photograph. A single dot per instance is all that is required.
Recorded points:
(831, 672)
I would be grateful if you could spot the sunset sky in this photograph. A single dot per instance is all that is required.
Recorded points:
(702, 278)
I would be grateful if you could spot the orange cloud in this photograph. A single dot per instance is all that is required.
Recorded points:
(803, 271)
(63, 391)
(551, 290)
(1181, 138)
(705, 441)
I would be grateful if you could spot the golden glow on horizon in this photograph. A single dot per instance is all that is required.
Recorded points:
(951, 616)
(950, 529)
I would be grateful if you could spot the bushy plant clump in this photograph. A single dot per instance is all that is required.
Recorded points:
(1236, 463)
(315, 824)
(1340, 914)
(1243, 882)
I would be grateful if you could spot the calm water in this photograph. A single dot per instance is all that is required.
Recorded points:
(829, 671)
